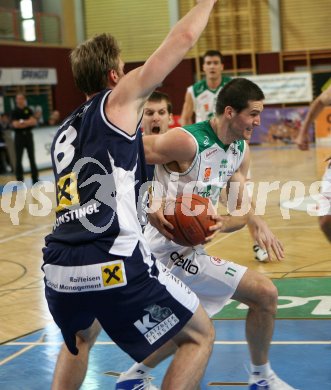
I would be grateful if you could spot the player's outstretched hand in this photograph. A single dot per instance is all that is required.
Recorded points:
(267, 240)
(302, 141)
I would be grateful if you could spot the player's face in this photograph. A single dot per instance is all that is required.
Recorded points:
(242, 124)
(156, 117)
(212, 67)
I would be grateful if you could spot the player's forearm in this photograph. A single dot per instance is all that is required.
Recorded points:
(139, 83)
(186, 120)
(189, 28)
(314, 110)
(231, 223)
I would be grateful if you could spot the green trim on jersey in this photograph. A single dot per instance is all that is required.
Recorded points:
(206, 137)
(202, 86)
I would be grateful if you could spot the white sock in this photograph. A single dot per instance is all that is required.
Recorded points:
(138, 370)
(263, 371)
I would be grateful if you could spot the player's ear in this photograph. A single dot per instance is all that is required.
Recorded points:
(229, 112)
(113, 77)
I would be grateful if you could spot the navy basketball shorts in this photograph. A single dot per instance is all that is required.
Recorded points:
(137, 301)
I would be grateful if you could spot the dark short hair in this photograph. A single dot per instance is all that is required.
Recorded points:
(158, 96)
(237, 93)
(92, 60)
(212, 53)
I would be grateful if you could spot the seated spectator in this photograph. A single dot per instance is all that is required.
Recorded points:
(4, 121)
(54, 118)
(38, 114)
(5, 165)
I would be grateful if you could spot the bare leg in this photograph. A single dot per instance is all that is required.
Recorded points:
(71, 369)
(325, 224)
(260, 294)
(195, 343)
(159, 355)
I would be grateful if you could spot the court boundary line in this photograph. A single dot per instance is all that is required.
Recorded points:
(52, 343)
(26, 233)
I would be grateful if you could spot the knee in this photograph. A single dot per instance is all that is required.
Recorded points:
(207, 340)
(267, 295)
(87, 338)
(205, 334)
(211, 332)
(325, 225)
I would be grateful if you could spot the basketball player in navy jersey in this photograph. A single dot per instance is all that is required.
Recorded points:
(98, 267)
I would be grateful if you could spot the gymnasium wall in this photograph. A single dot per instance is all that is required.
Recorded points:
(66, 97)
(141, 27)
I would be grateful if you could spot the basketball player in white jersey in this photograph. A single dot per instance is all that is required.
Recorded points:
(302, 140)
(98, 267)
(200, 100)
(183, 157)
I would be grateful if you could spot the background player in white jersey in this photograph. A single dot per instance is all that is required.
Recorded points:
(184, 155)
(200, 98)
(302, 140)
(98, 267)
(199, 102)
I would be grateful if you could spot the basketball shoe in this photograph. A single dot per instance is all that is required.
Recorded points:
(260, 254)
(271, 383)
(135, 384)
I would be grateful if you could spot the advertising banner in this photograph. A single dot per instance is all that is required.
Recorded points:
(294, 87)
(28, 76)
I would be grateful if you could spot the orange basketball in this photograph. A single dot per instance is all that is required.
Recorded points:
(191, 217)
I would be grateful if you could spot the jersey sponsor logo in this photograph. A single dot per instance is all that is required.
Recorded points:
(217, 261)
(76, 213)
(205, 192)
(233, 150)
(67, 194)
(93, 277)
(207, 174)
(224, 163)
(210, 153)
(186, 264)
(113, 274)
(206, 141)
(155, 324)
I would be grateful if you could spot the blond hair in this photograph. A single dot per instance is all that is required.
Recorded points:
(92, 60)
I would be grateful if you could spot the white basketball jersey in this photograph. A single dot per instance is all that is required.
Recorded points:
(212, 167)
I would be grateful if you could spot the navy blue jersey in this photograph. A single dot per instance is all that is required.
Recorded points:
(98, 173)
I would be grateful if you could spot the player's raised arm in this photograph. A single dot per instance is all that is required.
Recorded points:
(174, 145)
(315, 108)
(135, 87)
(187, 110)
